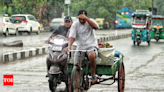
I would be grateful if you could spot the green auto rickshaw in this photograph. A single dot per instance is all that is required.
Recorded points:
(157, 27)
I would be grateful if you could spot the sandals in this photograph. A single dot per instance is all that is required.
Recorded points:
(94, 80)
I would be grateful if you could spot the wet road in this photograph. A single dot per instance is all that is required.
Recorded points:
(144, 70)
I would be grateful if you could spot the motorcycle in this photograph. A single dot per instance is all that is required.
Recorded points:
(58, 62)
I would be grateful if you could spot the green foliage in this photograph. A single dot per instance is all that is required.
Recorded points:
(138, 4)
(9, 11)
(34, 11)
(159, 4)
(5, 10)
(24, 6)
(97, 8)
(44, 21)
(105, 8)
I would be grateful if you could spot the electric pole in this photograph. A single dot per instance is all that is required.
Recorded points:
(152, 8)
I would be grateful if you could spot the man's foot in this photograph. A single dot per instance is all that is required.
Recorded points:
(94, 80)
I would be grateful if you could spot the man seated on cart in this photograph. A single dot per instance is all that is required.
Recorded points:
(83, 32)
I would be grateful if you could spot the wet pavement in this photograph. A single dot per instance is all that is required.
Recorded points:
(144, 70)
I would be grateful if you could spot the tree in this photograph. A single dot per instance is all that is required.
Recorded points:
(5, 10)
(97, 8)
(159, 5)
(9, 11)
(25, 6)
(54, 9)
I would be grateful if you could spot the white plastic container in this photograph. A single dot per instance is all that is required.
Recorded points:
(107, 55)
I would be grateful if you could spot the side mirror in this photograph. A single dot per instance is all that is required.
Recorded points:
(37, 20)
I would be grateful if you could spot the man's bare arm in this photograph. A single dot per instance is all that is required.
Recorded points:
(71, 40)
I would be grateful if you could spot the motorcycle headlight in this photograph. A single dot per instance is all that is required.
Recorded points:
(59, 41)
(138, 30)
(152, 29)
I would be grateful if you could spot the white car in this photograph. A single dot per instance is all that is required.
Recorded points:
(9, 27)
(26, 23)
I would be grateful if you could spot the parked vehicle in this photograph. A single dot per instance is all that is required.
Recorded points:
(8, 27)
(102, 23)
(55, 23)
(141, 23)
(26, 23)
(157, 27)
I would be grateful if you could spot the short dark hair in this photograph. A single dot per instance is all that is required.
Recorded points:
(81, 12)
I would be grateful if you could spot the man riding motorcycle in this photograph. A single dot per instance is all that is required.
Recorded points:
(61, 30)
(58, 33)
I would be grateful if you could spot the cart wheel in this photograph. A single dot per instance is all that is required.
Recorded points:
(76, 80)
(86, 83)
(121, 77)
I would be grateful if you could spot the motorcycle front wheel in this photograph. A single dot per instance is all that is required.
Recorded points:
(52, 83)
